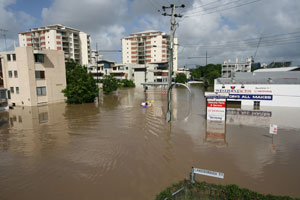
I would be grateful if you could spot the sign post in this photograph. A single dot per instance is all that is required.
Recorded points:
(205, 172)
(216, 106)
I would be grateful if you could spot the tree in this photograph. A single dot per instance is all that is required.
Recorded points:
(109, 84)
(181, 78)
(207, 73)
(81, 86)
(127, 83)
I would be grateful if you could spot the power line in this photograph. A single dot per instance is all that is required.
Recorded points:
(212, 8)
(217, 11)
(264, 39)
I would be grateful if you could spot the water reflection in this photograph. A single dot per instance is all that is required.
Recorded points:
(216, 133)
(30, 129)
(115, 149)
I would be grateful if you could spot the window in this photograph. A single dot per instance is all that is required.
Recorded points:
(43, 117)
(40, 74)
(17, 90)
(14, 57)
(10, 74)
(126, 68)
(16, 74)
(39, 58)
(256, 105)
(12, 90)
(41, 91)
(8, 57)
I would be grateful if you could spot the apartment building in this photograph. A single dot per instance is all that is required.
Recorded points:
(33, 77)
(75, 43)
(229, 68)
(106, 67)
(148, 47)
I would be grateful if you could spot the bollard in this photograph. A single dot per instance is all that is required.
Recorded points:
(192, 175)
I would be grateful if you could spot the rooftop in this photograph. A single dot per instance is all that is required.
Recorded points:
(53, 26)
(280, 69)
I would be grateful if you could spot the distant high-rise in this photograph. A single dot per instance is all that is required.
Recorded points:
(148, 47)
(74, 43)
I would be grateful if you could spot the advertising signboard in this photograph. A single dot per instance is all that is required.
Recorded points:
(216, 109)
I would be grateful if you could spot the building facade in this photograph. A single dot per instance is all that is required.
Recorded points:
(106, 67)
(75, 43)
(33, 77)
(229, 68)
(148, 47)
(263, 87)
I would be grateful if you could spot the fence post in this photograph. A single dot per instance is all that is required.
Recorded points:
(192, 175)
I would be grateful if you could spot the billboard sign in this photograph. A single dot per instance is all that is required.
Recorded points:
(216, 109)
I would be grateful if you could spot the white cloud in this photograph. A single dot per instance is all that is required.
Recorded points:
(108, 21)
(263, 18)
(13, 22)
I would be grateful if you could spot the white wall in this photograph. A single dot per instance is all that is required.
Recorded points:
(287, 95)
(84, 48)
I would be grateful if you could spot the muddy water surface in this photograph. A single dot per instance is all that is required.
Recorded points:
(118, 150)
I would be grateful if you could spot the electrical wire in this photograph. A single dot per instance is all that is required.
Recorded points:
(218, 11)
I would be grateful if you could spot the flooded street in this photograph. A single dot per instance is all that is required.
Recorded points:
(118, 150)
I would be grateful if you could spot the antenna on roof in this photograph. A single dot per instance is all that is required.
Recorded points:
(4, 35)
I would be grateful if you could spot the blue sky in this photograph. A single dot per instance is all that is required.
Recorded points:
(107, 21)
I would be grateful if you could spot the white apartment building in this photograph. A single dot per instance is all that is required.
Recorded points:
(105, 67)
(229, 68)
(33, 77)
(148, 47)
(75, 43)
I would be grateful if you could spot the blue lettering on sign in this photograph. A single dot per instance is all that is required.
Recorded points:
(251, 97)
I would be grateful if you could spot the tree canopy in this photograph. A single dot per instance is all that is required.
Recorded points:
(207, 73)
(181, 78)
(109, 84)
(81, 86)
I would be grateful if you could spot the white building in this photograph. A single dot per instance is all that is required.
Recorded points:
(263, 87)
(148, 47)
(185, 71)
(106, 67)
(33, 77)
(229, 68)
(74, 43)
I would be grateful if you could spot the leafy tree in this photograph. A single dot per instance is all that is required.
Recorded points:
(110, 84)
(81, 86)
(207, 74)
(181, 78)
(127, 83)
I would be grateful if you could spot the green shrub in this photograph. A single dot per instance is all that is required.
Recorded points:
(127, 83)
(81, 86)
(110, 84)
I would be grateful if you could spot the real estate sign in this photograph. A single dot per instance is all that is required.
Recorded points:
(216, 109)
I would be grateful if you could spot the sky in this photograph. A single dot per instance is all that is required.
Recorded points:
(268, 30)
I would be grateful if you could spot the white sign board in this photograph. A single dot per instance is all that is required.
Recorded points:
(273, 129)
(216, 109)
(209, 173)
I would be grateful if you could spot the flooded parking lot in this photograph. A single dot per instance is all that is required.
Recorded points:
(115, 149)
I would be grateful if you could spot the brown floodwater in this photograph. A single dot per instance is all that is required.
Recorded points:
(115, 149)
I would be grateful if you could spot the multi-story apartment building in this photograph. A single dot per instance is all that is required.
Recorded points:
(75, 43)
(33, 77)
(148, 47)
(105, 67)
(229, 68)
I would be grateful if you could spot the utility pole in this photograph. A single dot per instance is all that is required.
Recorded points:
(206, 57)
(170, 72)
(4, 35)
(97, 55)
(145, 86)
